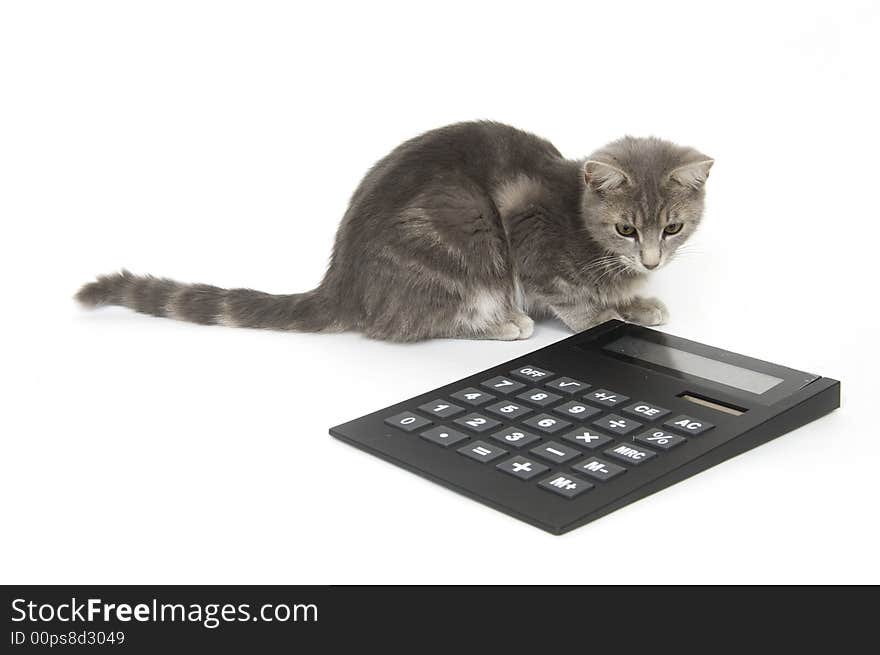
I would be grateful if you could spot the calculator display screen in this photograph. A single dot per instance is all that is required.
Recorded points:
(704, 367)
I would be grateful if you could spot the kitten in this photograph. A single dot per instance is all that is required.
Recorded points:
(471, 231)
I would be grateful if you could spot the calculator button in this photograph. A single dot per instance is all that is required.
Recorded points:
(441, 409)
(515, 437)
(598, 469)
(522, 468)
(508, 410)
(688, 425)
(568, 385)
(645, 411)
(546, 423)
(538, 397)
(576, 409)
(606, 398)
(617, 424)
(503, 385)
(555, 452)
(477, 422)
(565, 486)
(407, 421)
(587, 438)
(443, 436)
(659, 439)
(531, 374)
(481, 451)
(472, 396)
(628, 453)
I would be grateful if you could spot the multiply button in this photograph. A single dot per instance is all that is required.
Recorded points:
(587, 438)
(646, 411)
(598, 469)
(565, 486)
(688, 425)
(617, 424)
(630, 454)
(531, 374)
(522, 468)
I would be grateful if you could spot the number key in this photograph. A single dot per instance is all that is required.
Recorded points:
(508, 410)
(577, 410)
(472, 396)
(477, 422)
(503, 385)
(407, 421)
(515, 437)
(546, 423)
(441, 409)
(538, 397)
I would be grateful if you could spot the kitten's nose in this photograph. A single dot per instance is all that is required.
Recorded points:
(652, 266)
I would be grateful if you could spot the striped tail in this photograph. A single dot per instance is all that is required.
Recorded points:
(210, 305)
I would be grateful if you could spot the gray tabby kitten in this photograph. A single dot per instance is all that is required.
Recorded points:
(470, 231)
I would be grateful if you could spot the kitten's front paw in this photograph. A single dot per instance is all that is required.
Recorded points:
(644, 311)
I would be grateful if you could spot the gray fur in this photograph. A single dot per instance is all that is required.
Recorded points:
(470, 231)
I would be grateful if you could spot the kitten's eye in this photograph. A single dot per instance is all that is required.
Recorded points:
(673, 228)
(625, 229)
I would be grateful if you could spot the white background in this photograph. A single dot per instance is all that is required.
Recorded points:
(218, 142)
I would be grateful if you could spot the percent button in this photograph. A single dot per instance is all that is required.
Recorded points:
(659, 439)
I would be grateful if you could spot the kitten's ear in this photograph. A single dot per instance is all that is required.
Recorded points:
(692, 175)
(604, 177)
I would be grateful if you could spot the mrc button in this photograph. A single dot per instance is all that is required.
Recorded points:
(628, 453)
(688, 425)
(645, 410)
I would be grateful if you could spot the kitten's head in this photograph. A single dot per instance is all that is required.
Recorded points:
(644, 198)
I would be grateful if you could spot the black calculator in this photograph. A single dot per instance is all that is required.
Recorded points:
(573, 431)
